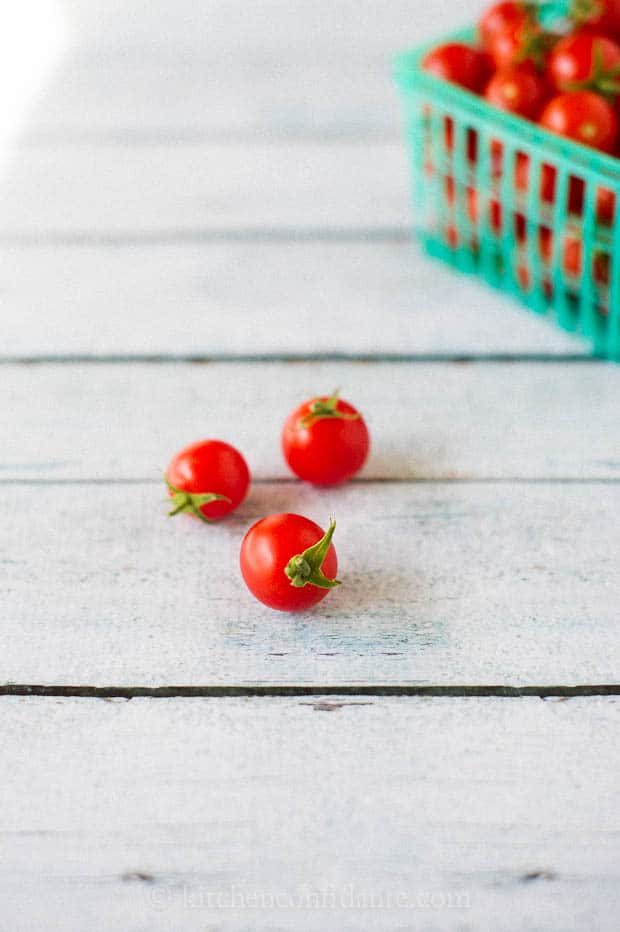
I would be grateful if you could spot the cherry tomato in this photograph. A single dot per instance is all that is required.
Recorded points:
(288, 563)
(207, 479)
(518, 89)
(525, 44)
(584, 117)
(459, 64)
(602, 16)
(583, 58)
(325, 440)
(502, 17)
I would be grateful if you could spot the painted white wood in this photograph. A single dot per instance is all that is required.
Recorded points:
(144, 71)
(139, 815)
(442, 583)
(256, 298)
(427, 420)
(147, 189)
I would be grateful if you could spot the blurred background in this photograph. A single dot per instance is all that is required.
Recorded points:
(221, 178)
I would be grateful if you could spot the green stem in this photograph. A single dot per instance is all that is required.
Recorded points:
(305, 567)
(601, 81)
(322, 408)
(192, 501)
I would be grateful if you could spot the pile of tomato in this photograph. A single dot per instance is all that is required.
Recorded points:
(567, 81)
(286, 560)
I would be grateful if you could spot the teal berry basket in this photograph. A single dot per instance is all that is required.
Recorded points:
(535, 215)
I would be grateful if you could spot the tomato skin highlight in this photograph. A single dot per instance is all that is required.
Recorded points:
(459, 64)
(583, 116)
(574, 59)
(325, 450)
(211, 466)
(525, 44)
(265, 553)
(501, 17)
(517, 89)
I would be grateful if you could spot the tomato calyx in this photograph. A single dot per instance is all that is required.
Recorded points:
(535, 46)
(305, 567)
(583, 12)
(192, 502)
(322, 408)
(603, 81)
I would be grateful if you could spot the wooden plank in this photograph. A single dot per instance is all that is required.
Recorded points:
(137, 190)
(312, 68)
(427, 420)
(256, 298)
(440, 815)
(442, 583)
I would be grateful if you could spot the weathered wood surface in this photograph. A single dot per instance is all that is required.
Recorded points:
(427, 420)
(442, 583)
(139, 815)
(55, 191)
(252, 298)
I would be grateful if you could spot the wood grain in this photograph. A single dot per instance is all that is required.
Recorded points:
(442, 583)
(251, 298)
(427, 420)
(137, 815)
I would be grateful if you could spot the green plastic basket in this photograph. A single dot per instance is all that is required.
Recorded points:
(533, 214)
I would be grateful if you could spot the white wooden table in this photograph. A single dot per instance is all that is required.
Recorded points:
(203, 220)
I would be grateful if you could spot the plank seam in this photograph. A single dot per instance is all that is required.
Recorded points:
(273, 690)
(122, 359)
(358, 480)
(173, 236)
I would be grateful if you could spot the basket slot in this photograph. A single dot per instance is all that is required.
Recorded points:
(464, 143)
(592, 322)
(491, 215)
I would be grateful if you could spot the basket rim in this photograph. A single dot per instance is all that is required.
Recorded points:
(408, 75)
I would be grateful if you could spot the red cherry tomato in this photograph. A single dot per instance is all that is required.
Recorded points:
(518, 89)
(601, 16)
(288, 563)
(207, 479)
(525, 44)
(502, 17)
(584, 117)
(459, 64)
(582, 58)
(325, 440)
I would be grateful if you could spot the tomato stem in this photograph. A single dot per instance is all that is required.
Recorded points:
(305, 567)
(192, 501)
(601, 81)
(326, 408)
